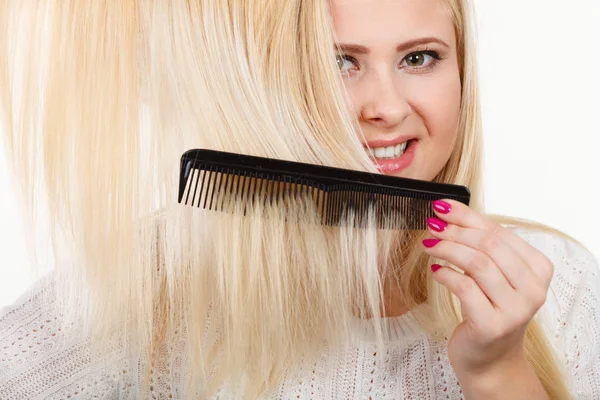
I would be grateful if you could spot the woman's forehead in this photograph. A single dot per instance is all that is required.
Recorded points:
(371, 22)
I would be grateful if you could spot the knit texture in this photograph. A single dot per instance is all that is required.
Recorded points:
(38, 361)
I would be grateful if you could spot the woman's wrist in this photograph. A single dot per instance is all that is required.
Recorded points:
(515, 379)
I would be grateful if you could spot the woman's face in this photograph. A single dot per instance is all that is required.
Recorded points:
(400, 68)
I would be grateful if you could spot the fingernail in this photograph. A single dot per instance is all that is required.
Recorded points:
(436, 224)
(441, 206)
(435, 267)
(429, 243)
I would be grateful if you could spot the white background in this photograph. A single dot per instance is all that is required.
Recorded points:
(540, 75)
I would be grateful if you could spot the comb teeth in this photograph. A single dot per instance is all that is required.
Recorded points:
(210, 188)
(223, 181)
(392, 209)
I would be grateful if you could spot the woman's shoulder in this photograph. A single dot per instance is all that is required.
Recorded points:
(38, 296)
(38, 360)
(576, 278)
(558, 247)
(574, 264)
(571, 314)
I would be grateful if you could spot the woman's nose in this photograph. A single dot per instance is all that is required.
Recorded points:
(385, 105)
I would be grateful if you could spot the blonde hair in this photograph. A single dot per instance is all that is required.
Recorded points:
(101, 98)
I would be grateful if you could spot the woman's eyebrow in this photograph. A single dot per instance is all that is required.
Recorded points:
(416, 42)
(360, 49)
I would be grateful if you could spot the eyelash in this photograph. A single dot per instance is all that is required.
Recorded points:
(436, 58)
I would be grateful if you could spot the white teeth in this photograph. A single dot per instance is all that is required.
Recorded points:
(388, 152)
(380, 152)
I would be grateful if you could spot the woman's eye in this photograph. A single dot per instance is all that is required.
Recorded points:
(345, 63)
(415, 59)
(420, 59)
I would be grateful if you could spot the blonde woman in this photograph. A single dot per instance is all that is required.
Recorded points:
(150, 299)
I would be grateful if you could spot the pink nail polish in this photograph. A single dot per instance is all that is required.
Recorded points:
(435, 267)
(429, 243)
(436, 224)
(441, 206)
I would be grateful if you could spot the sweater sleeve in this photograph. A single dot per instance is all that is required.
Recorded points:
(571, 314)
(38, 361)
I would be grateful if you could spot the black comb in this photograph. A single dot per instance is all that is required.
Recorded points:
(209, 179)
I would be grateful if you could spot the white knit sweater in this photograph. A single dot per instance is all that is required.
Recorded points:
(34, 366)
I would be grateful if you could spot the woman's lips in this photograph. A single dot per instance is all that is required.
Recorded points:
(394, 165)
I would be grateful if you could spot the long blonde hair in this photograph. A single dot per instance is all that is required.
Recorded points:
(101, 98)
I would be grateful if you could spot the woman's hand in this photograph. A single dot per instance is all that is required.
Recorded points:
(505, 282)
